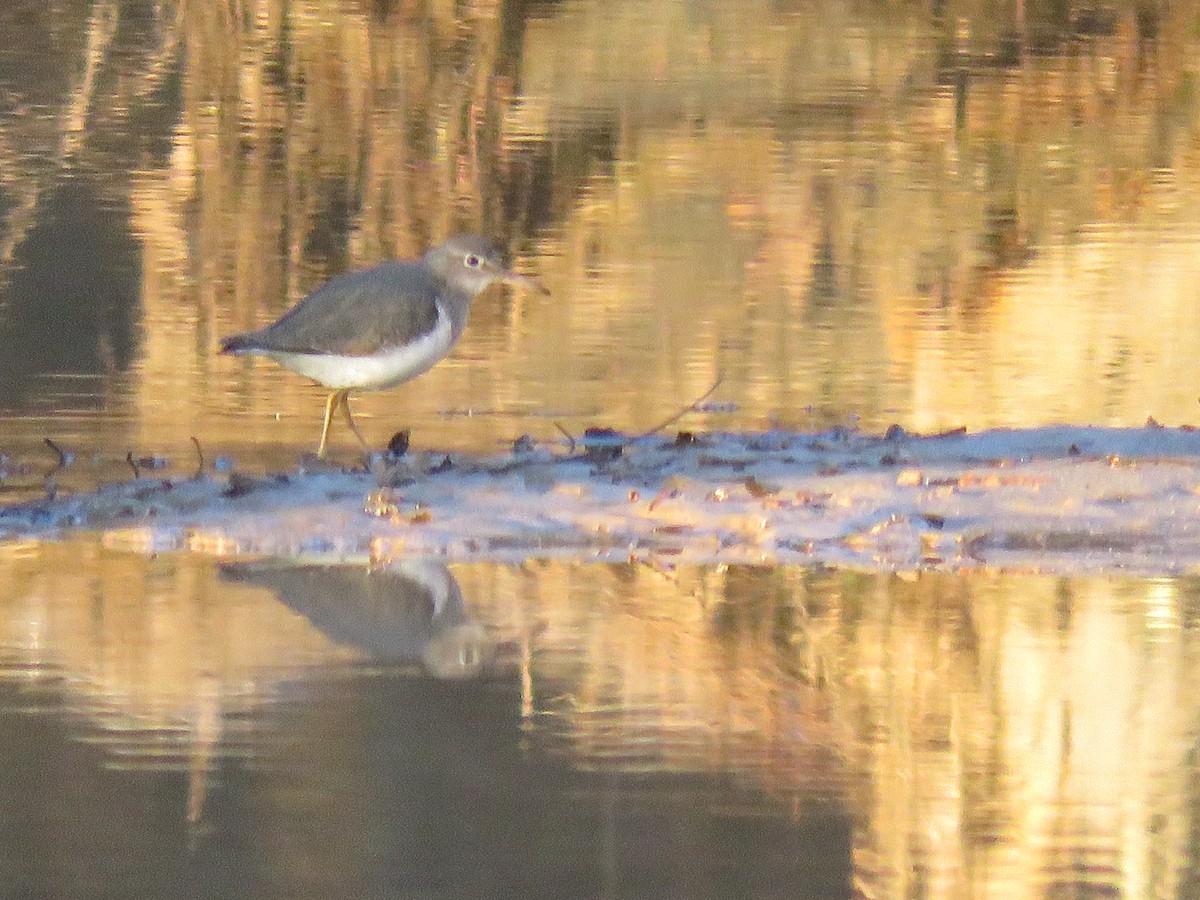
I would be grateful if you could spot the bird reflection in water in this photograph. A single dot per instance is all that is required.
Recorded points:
(404, 612)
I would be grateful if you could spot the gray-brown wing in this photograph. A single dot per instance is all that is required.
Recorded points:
(357, 313)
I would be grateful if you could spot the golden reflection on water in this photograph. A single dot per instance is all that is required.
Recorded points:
(1001, 735)
(850, 212)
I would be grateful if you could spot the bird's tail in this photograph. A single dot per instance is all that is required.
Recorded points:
(239, 343)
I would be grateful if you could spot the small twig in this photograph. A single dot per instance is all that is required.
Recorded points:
(691, 407)
(137, 473)
(48, 481)
(568, 436)
(590, 450)
(199, 457)
(58, 451)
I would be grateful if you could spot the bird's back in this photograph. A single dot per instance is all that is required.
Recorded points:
(358, 313)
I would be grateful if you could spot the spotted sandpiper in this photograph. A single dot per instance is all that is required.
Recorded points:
(376, 328)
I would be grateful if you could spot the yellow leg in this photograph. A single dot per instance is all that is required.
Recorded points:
(350, 421)
(336, 398)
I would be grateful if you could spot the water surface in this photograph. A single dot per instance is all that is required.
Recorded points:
(174, 725)
(853, 212)
(939, 215)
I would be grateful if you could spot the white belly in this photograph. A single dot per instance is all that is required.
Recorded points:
(383, 370)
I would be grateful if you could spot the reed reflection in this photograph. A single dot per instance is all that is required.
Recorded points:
(994, 735)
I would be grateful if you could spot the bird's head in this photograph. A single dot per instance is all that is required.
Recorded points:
(472, 264)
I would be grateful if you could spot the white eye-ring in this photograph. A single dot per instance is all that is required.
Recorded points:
(472, 261)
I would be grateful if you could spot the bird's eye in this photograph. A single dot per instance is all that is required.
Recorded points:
(472, 261)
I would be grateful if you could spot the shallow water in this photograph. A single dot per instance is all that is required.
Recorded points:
(572, 729)
(930, 214)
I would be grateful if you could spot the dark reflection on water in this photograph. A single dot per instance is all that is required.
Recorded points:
(565, 729)
(392, 786)
(70, 314)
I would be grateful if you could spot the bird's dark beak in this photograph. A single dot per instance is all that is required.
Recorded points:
(524, 281)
